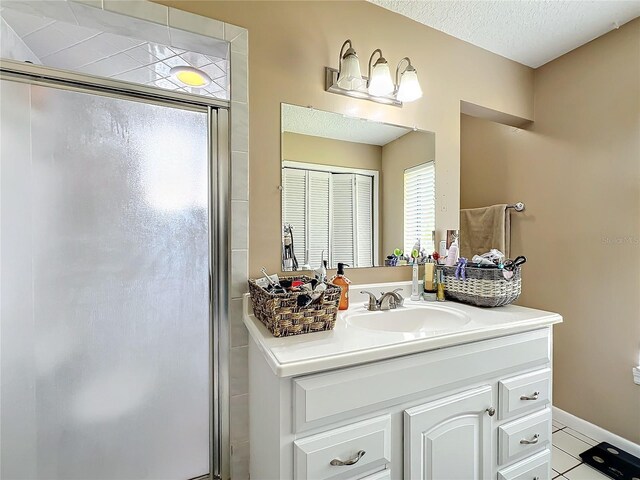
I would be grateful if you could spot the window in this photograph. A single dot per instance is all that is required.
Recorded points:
(419, 207)
(332, 211)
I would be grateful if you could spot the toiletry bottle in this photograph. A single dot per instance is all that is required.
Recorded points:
(415, 285)
(443, 249)
(440, 285)
(343, 282)
(453, 254)
(320, 273)
(430, 279)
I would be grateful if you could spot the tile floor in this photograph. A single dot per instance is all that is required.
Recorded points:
(568, 444)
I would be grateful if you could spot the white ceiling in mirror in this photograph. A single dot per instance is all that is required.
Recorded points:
(531, 32)
(318, 123)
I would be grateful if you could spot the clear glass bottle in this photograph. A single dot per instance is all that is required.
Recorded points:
(440, 286)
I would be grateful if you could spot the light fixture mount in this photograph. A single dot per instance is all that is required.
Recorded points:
(331, 85)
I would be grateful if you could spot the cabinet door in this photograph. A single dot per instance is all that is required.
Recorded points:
(449, 438)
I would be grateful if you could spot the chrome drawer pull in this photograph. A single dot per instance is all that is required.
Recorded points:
(336, 462)
(535, 439)
(491, 411)
(530, 397)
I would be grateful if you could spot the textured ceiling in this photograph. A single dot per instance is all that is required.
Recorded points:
(529, 32)
(309, 121)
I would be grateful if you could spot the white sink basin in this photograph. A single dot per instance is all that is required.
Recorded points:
(423, 319)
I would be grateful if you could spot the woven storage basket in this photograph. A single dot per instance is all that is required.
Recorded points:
(282, 316)
(484, 287)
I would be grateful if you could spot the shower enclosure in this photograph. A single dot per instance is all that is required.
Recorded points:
(113, 284)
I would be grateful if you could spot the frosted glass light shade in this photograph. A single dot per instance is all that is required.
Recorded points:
(409, 89)
(380, 83)
(350, 77)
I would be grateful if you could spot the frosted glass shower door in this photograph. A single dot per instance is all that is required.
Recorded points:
(105, 330)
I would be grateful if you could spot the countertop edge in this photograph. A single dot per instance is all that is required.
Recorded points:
(386, 352)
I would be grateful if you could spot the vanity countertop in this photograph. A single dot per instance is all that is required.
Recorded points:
(350, 344)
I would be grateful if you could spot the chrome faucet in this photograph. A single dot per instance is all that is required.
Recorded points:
(387, 301)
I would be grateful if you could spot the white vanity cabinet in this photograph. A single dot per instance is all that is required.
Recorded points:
(472, 411)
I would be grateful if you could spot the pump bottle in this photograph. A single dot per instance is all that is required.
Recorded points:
(343, 282)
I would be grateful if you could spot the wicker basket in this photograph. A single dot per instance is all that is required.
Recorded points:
(484, 287)
(282, 316)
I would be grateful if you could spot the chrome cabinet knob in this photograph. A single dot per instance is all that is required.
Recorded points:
(534, 440)
(336, 462)
(491, 411)
(530, 397)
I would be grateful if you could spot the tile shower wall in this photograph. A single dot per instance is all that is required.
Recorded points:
(177, 28)
(239, 403)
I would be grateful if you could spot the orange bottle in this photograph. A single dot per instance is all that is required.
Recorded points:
(343, 282)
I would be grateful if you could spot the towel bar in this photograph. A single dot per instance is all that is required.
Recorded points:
(518, 207)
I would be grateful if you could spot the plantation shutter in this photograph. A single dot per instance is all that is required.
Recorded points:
(294, 206)
(419, 207)
(318, 216)
(343, 216)
(331, 212)
(364, 220)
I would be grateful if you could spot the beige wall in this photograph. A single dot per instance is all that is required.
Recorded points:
(290, 43)
(577, 168)
(405, 152)
(327, 151)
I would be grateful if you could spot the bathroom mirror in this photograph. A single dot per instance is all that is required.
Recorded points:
(353, 190)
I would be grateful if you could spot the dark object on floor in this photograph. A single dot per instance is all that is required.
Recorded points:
(612, 461)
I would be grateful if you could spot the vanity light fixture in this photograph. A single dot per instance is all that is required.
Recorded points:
(408, 84)
(349, 76)
(380, 82)
(379, 85)
(189, 76)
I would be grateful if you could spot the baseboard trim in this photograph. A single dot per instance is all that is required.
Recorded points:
(595, 432)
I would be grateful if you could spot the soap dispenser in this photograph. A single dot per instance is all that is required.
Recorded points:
(343, 282)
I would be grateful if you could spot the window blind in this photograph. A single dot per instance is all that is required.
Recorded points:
(419, 207)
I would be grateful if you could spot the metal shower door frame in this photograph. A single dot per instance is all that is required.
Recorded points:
(218, 123)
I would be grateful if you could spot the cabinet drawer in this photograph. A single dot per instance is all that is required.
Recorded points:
(524, 393)
(383, 475)
(536, 467)
(314, 455)
(524, 436)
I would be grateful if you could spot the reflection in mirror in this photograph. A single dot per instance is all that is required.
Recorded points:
(353, 190)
